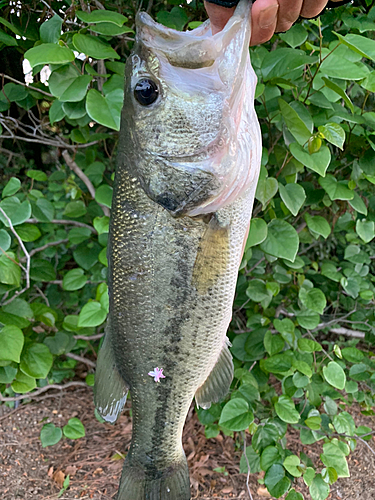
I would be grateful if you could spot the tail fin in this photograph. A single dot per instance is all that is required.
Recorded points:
(170, 484)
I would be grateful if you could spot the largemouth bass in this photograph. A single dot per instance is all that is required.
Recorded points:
(188, 165)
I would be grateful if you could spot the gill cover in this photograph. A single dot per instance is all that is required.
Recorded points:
(196, 147)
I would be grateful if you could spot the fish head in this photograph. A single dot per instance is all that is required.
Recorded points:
(188, 97)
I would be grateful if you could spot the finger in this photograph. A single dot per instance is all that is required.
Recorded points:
(219, 16)
(263, 20)
(312, 8)
(289, 12)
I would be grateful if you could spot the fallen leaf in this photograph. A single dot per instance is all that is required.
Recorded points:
(97, 471)
(71, 470)
(227, 490)
(263, 492)
(59, 477)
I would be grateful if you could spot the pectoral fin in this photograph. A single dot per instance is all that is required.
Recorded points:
(110, 390)
(218, 382)
(212, 256)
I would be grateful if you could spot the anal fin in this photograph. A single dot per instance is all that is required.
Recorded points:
(110, 390)
(217, 384)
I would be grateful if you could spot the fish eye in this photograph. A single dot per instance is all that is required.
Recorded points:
(146, 91)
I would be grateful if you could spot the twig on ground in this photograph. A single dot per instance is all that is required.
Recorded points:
(33, 395)
(86, 337)
(248, 466)
(75, 168)
(81, 359)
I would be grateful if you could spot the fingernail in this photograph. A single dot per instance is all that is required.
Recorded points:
(267, 17)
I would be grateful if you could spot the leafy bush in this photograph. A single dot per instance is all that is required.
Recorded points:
(304, 310)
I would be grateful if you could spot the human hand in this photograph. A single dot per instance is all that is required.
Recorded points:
(267, 16)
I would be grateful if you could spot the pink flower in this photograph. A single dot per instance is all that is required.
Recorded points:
(157, 374)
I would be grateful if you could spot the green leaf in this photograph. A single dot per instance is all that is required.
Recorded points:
(175, 19)
(23, 383)
(333, 86)
(50, 435)
(42, 270)
(11, 341)
(19, 307)
(56, 112)
(308, 345)
(277, 64)
(282, 240)
(318, 162)
(10, 272)
(74, 280)
(279, 363)
(266, 189)
(332, 456)
(295, 124)
(253, 459)
(50, 31)
(92, 314)
(292, 464)
(273, 343)
(294, 37)
(342, 69)
(36, 360)
(74, 429)
(68, 85)
(286, 328)
(16, 211)
(336, 190)
(358, 204)
(105, 110)
(257, 290)
(236, 415)
(365, 230)
(86, 256)
(294, 495)
(7, 39)
(257, 233)
(101, 224)
(79, 234)
(43, 210)
(344, 424)
(48, 53)
(318, 225)
(7, 374)
(319, 489)
(275, 480)
(293, 195)
(28, 232)
(352, 354)
(75, 209)
(270, 455)
(329, 475)
(359, 44)
(286, 410)
(334, 375)
(308, 319)
(334, 133)
(5, 240)
(60, 343)
(102, 16)
(92, 47)
(103, 195)
(11, 187)
(110, 29)
(313, 299)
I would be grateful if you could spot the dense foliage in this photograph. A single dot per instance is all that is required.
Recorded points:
(304, 321)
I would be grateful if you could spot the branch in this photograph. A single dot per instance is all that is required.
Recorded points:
(27, 256)
(81, 359)
(87, 337)
(32, 395)
(349, 333)
(64, 221)
(25, 85)
(73, 166)
(44, 247)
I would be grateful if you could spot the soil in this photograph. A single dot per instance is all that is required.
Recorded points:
(94, 463)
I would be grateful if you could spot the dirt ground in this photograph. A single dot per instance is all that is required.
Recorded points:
(94, 463)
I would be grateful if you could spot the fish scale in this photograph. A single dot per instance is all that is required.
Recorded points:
(173, 264)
